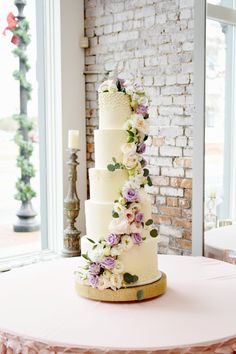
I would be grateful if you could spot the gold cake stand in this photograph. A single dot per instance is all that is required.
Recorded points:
(135, 293)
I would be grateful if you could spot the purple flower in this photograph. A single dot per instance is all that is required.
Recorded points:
(113, 239)
(108, 262)
(136, 237)
(93, 280)
(94, 268)
(130, 194)
(141, 148)
(141, 109)
(139, 217)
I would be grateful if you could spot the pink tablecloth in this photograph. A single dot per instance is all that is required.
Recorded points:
(41, 313)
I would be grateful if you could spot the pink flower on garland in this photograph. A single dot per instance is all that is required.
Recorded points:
(11, 24)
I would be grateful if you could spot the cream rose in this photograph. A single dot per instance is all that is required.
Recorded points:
(116, 281)
(140, 123)
(135, 228)
(128, 148)
(105, 86)
(143, 100)
(130, 161)
(103, 283)
(116, 250)
(112, 88)
(118, 268)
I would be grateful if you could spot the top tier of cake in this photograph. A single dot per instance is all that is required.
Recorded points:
(114, 110)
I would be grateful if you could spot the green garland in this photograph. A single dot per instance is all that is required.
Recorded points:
(24, 189)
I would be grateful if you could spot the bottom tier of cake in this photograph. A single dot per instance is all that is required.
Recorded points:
(140, 260)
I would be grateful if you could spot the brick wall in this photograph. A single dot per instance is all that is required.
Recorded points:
(155, 37)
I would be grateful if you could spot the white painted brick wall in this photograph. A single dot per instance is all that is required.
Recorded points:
(156, 38)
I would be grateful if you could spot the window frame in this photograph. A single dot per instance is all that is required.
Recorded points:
(61, 104)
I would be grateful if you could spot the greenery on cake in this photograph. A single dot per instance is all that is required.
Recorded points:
(103, 269)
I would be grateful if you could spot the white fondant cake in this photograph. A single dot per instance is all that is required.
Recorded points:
(118, 248)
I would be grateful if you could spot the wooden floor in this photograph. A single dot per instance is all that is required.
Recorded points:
(14, 243)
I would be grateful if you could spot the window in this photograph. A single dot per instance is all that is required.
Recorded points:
(220, 129)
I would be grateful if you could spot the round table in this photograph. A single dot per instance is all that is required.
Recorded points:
(220, 243)
(40, 312)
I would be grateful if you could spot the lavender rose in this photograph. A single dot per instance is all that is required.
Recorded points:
(131, 195)
(141, 148)
(108, 262)
(93, 280)
(136, 237)
(94, 268)
(112, 239)
(141, 109)
(139, 217)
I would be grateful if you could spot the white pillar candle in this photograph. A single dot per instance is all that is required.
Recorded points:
(73, 139)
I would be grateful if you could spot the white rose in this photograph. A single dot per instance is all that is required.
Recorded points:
(143, 100)
(135, 229)
(116, 281)
(129, 124)
(126, 242)
(118, 207)
(97, 254)
(103, 283)
(106, 274)
(81, 275)
(112, 88)
(116, 250)
(119, 226)
(105, 86)
(118, 268)
(131, 161)
(128, 148)
(129, 90)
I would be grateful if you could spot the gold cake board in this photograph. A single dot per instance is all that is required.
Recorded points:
(135, 293)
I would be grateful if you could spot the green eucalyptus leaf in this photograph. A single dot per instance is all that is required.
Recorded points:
(85, 256)
(145, 138)
(90, 240)
(130, 139)
(145, 172)
(115, 215)
(114, 159)
(130, 133)
(111, 168)
(140, 294)
(129, 278)
(117, 166)
(153, 233)
(149, 181)
(149, 222)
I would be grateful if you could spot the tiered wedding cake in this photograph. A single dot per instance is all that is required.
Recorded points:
(120, 248)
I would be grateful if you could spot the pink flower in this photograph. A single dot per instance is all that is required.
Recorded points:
(129, 215)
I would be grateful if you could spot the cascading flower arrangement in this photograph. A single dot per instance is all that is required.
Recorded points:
(20, 37)
(103, 269)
